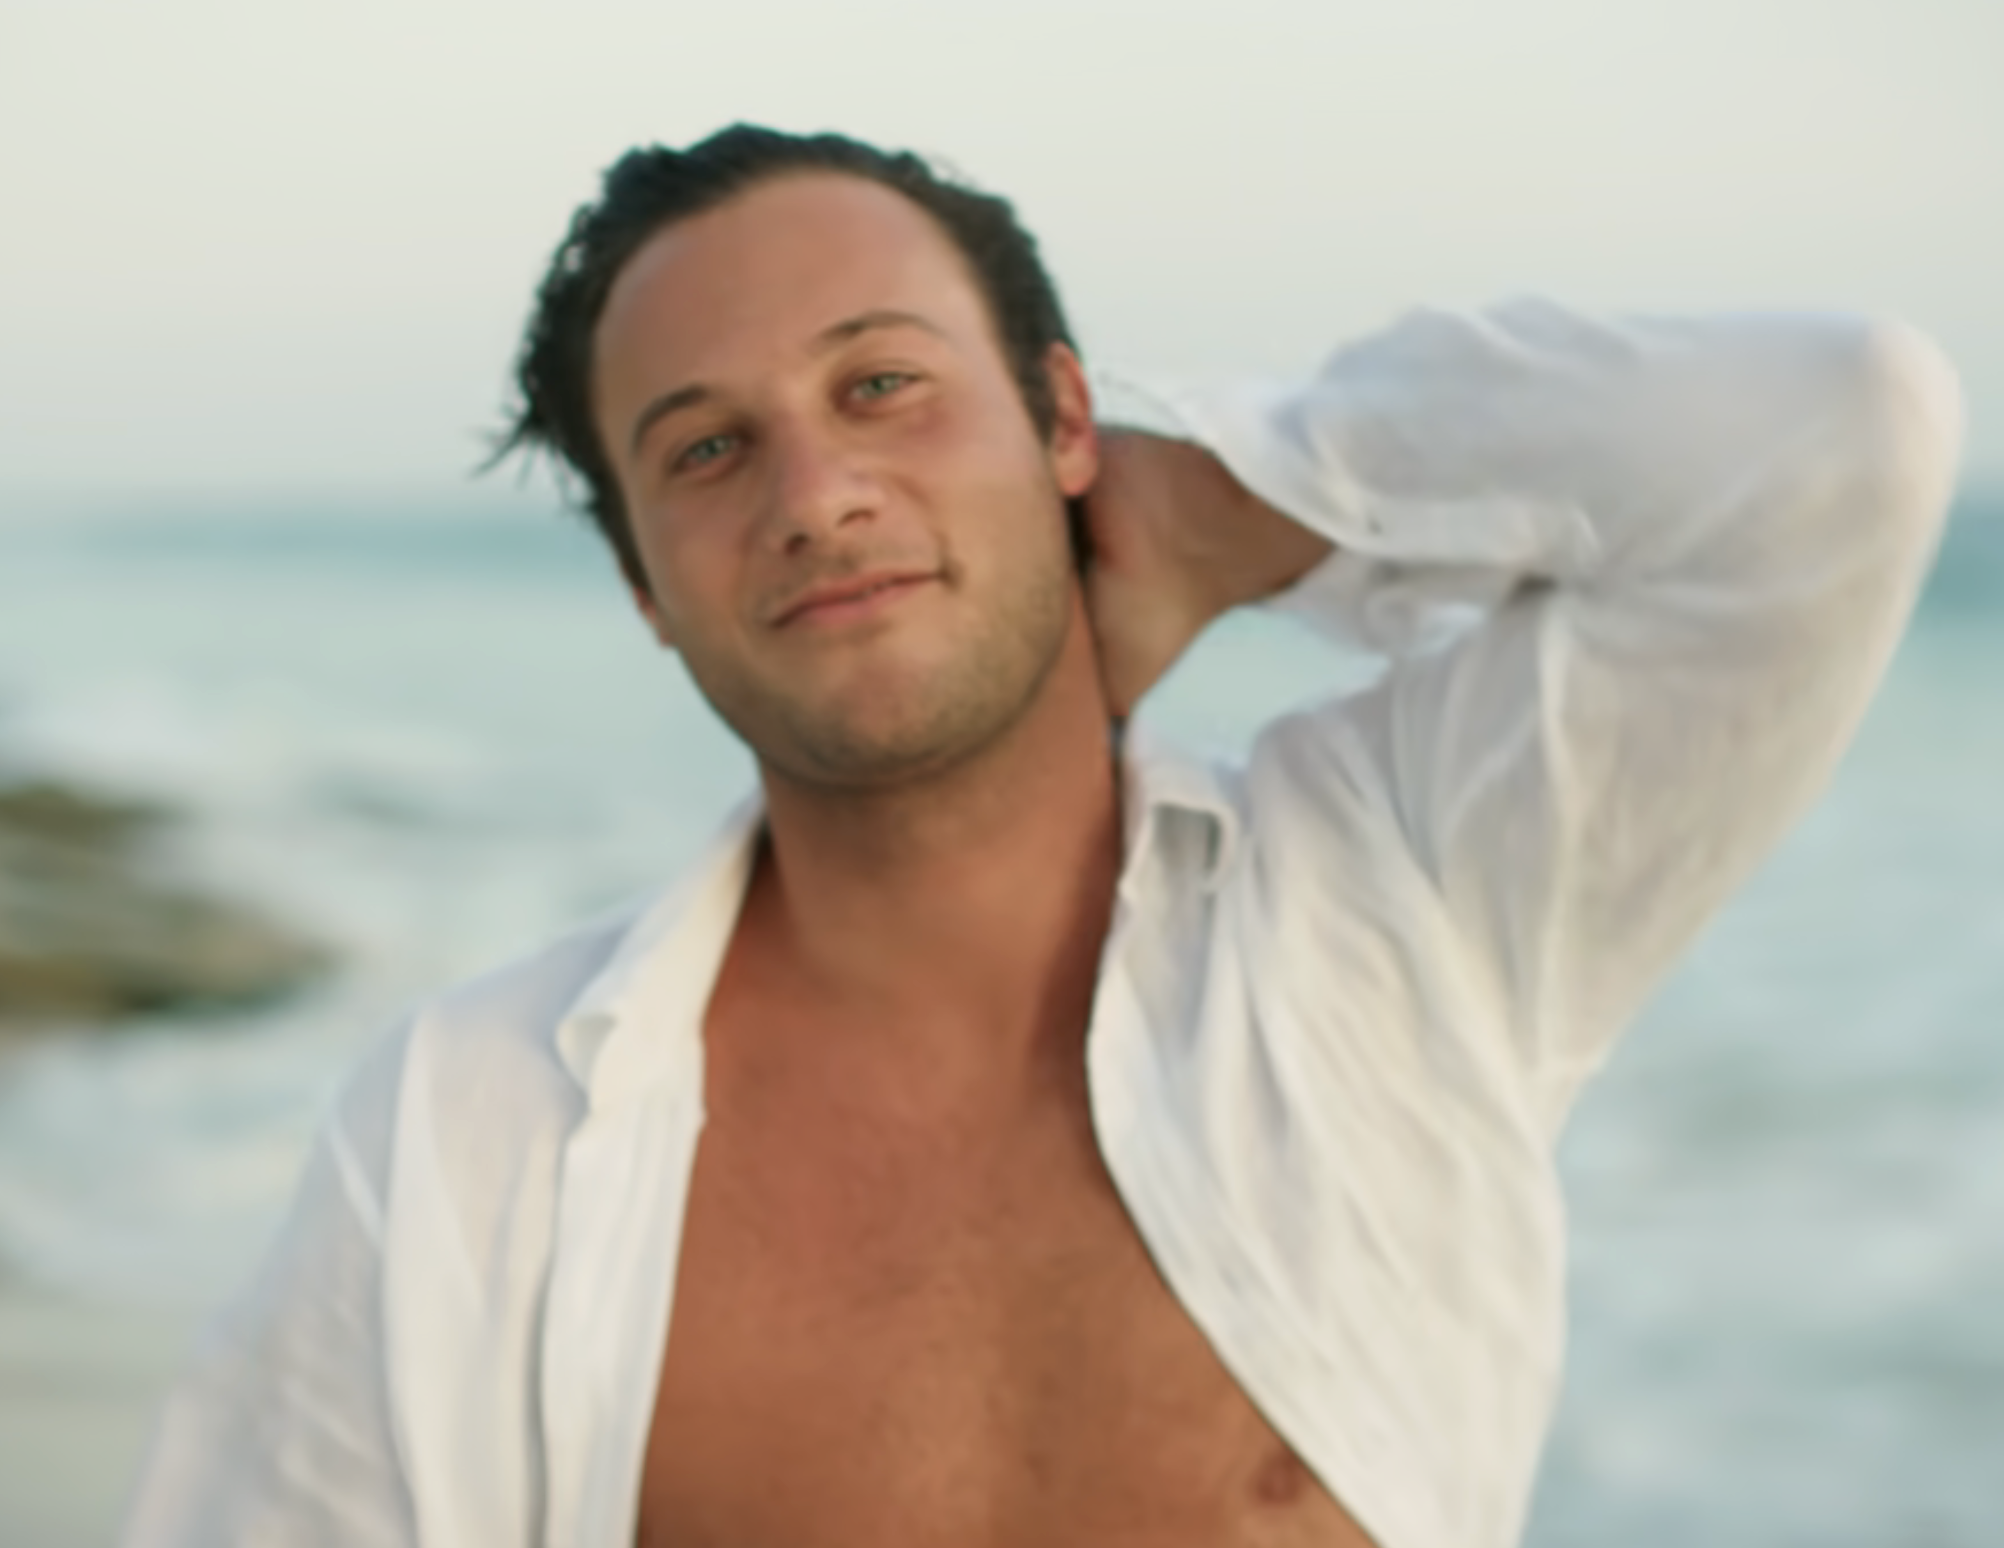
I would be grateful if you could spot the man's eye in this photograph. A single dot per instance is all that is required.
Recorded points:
(880, 384)
(701, 453)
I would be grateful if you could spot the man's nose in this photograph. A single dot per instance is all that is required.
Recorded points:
(818, 485)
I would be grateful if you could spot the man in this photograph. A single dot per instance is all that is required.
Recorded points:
(1009, 1136)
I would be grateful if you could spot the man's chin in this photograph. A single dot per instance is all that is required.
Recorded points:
(880, 740)
(865, 756)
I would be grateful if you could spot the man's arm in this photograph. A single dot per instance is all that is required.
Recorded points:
(1177, 541)
(1693, 544)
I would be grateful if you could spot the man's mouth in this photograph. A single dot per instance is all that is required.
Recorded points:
(853, 597)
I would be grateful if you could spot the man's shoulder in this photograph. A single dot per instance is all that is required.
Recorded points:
(542, 1015)
(480, 1057)
(522, 1002)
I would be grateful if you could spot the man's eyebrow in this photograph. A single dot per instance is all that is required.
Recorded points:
(660, 408)
(866, 322)
(832, 337)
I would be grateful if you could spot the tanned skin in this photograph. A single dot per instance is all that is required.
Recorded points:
(911, 1309)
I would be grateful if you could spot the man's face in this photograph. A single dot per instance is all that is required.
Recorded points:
(848, 524)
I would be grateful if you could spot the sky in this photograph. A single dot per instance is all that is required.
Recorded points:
(253, 249)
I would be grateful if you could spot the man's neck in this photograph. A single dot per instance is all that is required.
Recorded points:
(972, 905)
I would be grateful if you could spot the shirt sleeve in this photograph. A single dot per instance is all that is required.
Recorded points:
(1638, 579)
(280, 1434)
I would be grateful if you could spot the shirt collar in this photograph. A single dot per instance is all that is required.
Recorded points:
(1158, 778)
(640, 1017)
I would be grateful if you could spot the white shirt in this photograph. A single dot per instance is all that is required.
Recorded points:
(1349, 993)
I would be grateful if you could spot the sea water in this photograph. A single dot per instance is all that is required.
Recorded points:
(435, 736)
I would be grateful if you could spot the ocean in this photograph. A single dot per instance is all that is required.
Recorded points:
(433, 736)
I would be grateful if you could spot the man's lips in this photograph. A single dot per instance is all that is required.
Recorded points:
(851, 597)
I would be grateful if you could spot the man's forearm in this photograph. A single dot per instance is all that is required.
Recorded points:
(1177, 540)
(1232, 546)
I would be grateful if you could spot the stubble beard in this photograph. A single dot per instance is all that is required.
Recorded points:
(949, 712)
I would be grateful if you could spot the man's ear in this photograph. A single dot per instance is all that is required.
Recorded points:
(1074, 438)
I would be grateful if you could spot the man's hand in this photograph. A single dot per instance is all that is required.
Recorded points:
(1176, 540)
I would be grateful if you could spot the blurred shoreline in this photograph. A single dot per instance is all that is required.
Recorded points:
(80, 1384)
(98, 932)
(95, 929)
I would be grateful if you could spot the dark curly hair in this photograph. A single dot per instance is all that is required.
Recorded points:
(649, 189)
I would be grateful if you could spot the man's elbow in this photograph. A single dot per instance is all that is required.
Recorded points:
(1905, 410)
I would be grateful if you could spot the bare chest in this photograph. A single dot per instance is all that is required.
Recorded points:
(926, 1333)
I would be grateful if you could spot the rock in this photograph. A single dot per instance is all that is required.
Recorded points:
(89, 933)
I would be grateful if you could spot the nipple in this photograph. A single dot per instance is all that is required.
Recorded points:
(1282, 1479)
